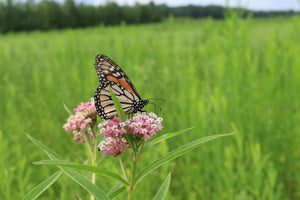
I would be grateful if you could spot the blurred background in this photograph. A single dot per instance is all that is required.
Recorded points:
(221, 66)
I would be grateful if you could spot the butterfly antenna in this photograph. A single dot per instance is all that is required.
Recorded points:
(155, 105)
(158, 99)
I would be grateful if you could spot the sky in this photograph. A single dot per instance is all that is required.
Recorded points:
(250, 4)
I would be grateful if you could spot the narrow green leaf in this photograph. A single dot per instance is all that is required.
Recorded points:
(176, 153)
(39, 189)
(55, 162)
(85, 168)
(130, 142)
(116, 187)
(85, 183)
(44, 148)
(122, 115)
(116, 190)
(164, 137)
(163, 190)
(68, 110)
(73, 174)
(118, 105)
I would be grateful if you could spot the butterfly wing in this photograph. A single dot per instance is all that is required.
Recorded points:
(109, 71)
(110, 74)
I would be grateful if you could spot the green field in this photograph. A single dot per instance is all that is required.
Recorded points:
(217, 76)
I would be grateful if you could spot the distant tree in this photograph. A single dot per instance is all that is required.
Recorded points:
(50, 15)
(2, 18)
(111, 13)
(71, 14)
(16, 15)
(87, 15)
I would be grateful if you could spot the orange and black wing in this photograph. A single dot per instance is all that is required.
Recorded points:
(110, 74)
(109, 71)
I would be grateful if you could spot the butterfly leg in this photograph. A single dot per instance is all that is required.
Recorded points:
(144, 111)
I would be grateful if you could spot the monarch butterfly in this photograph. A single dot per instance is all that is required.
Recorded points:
(110, 74)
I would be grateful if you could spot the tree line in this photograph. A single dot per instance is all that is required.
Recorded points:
(49, 14)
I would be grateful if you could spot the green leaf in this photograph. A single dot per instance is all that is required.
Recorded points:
(122, 115)
(118, 105)
(85, 183)
(176, 153)
(39, 189)
(116, 190)
(85, 168)
(68, 110)
(73, 174)
(130, 142)
(48, 151)
(164, 137)
(163, 190)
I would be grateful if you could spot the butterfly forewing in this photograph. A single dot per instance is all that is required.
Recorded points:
(108, 70)
(110, 74)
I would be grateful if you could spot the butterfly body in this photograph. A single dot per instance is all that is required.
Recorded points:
(110, 74)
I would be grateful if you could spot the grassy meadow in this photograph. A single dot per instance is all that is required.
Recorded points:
(240, 75)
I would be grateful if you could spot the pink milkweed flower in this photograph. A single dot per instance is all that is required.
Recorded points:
(141, 126)
(81, 121)
(145, 125)
(112, 128)
(87, 108)
(112, 146)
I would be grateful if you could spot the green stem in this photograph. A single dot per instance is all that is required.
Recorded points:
(132, 181)
(133, 173)
(122, 167)
(128, 153)
(141, 149)
(93, 155)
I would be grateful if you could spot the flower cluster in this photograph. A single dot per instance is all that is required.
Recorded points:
(145, 125)
(87, 108)
(141, 126)
(112, 128)
(113, 146)
(81, 121)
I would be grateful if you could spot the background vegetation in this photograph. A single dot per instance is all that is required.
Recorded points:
(219, 76)
(48, 14)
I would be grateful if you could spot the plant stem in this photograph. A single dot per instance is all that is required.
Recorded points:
(132, 181)
(141, 149)
(94, 157)
(122, 167)
(133, 173)
(128, 153)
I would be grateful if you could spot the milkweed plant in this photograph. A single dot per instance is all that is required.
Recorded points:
(111, 138)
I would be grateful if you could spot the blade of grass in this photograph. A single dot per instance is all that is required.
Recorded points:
(68, 110)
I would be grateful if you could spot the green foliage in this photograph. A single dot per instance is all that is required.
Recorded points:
(162, 192)
(83, 167)
(82, 181)
(38, 190)
(218, 76)
(49, 14)
(74, 175)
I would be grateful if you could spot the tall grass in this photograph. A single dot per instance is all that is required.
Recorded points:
(219, 76)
